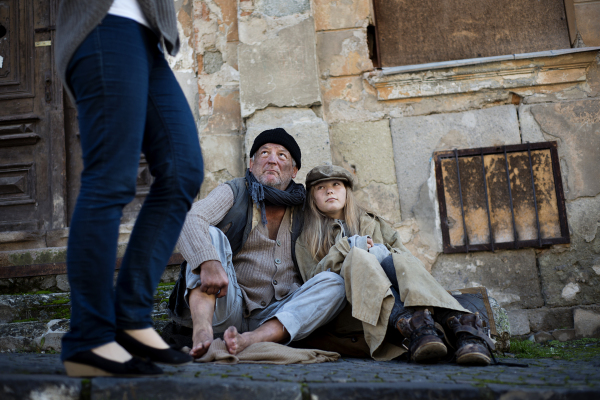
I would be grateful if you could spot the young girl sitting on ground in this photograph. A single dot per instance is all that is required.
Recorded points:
(386, 285)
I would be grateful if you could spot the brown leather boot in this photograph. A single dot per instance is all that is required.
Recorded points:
(425, 339)
(473, 345)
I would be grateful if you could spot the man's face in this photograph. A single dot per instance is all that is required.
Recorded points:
(273, 166)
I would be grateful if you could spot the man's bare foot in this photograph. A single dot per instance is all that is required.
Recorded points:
(202, 339)
(235, 341)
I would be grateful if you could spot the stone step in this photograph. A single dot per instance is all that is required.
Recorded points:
(37, 322)
(42, 376)
(49, 306)
(45, 337)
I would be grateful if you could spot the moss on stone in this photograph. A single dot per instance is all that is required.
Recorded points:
(21, 258)
(575, 350)
(38, 257)
(24, 320)
(59, 301)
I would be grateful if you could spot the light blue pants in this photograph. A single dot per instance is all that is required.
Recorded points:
(312, 305)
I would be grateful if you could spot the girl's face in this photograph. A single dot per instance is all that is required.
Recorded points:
(330, 198)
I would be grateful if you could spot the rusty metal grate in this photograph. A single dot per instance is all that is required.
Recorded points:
(503, 197)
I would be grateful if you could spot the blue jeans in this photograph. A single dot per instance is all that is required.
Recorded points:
(128, 102)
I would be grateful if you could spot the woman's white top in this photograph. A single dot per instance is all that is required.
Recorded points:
(129, 9)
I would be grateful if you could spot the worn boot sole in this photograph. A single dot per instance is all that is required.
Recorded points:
(429, 352)
(473, 359)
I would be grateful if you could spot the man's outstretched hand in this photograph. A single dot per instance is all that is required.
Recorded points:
(213, 278)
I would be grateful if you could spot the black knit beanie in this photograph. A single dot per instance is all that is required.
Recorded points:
(278, 136)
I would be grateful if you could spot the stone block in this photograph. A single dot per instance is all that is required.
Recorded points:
(189, 84)
(416, 138)
(21, 336)
(576, 125)
(212, 62)
(340, 14)
(346, 88)
(278, 8)
(569, 277)
(52, 339)
(223, 160)
(310, 131)
(548, 319)
(184, 59)
(226, 117)
(230, 55)
(57, 237)
(280, 71)
(381, 199)
(543, 337)
(519, 322)
(502, 326)
(22, 240)
(62, 283)
(552, 94)
(180, 388)
(426, 385)
(587, 323)
(252, 29)
(564, 335)
(511, 277)
(343, 52)
(582, 217)
(365, 149)
(26, 386)
(229, 18)
(350, 99)
(170, 274)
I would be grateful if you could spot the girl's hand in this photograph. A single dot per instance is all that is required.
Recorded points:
(369, 243)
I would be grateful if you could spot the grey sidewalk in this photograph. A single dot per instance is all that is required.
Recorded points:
(41, 376)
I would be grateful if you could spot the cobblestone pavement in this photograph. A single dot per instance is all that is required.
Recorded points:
(42, 376)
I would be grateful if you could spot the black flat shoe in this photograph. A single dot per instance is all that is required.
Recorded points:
(87, 363)
(164, 356)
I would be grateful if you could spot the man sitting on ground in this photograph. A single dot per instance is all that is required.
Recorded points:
(241, 276)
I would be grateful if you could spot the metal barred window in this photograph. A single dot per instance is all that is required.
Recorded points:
(503, 197)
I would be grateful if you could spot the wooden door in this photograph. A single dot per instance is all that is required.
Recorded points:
(32, 145)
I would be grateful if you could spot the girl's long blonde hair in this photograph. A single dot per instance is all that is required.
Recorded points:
(318, 228)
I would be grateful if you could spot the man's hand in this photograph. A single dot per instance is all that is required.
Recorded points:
(213, 278)
(369, 243)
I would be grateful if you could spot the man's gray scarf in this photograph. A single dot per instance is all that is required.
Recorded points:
(293, 195)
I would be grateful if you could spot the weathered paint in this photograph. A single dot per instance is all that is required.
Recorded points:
(498, 197)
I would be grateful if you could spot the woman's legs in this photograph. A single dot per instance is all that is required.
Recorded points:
(173, 153)
(110, 75)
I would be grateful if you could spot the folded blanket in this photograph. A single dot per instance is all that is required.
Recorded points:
(266, 353)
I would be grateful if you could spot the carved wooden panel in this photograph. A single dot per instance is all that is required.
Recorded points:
(17, 184)
(16, 49)
(18, 135)
(417, 32)
(32, 147)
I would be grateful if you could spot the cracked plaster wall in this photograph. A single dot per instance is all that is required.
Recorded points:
(214, 38)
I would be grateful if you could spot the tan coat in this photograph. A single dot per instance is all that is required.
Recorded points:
(367, 286)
